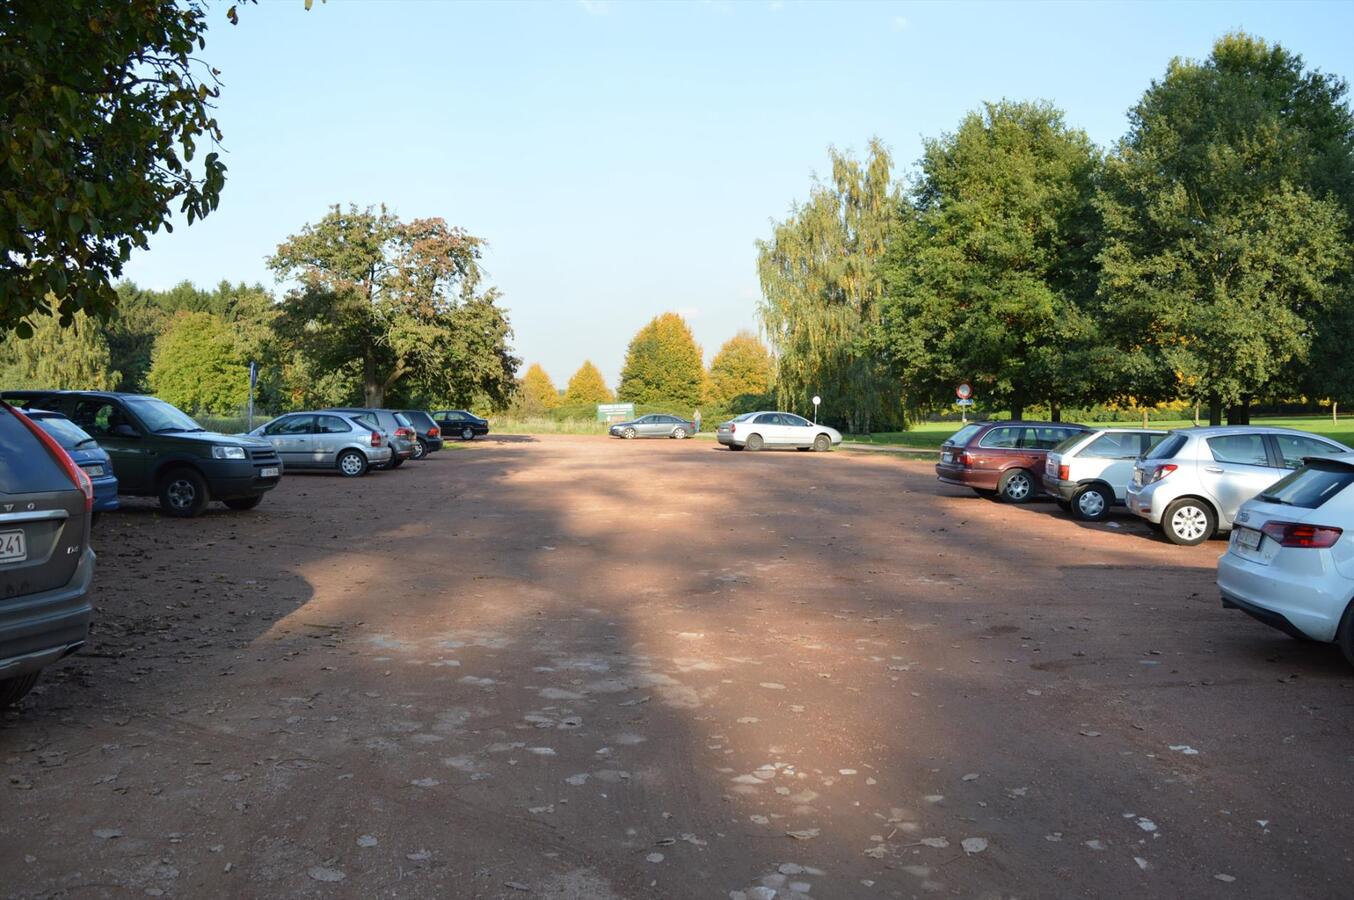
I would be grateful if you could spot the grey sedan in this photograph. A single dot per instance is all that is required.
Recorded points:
(327, 440)
(654, 425)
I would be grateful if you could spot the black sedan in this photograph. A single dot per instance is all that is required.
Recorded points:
(461, 424)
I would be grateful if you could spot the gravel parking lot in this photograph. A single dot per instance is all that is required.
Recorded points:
(581, 668)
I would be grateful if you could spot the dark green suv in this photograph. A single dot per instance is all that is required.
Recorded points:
(159, 451)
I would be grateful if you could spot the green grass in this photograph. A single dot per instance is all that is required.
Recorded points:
(930, 435)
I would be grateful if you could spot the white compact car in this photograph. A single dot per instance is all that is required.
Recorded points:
(758, 430)
(1089, 472)
(1288, 562)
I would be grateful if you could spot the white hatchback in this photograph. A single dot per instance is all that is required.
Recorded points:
(1089, 472)
(758, 430)
(1288, 562)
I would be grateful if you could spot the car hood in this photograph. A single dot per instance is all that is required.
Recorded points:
(224, 440)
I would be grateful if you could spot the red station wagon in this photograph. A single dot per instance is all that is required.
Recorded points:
(1001, 457)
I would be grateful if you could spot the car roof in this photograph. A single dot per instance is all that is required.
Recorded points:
(1130, 429)
(1214, 430)
(36, 393)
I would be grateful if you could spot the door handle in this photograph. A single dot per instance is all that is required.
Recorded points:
(1214, 469)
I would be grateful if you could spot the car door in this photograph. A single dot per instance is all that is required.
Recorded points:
(768, 426)
(291, 437)
(1234, 469)
(331, 435)
(122, 437)
(797, 431)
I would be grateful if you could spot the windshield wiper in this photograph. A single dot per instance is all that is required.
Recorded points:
(1270, 498)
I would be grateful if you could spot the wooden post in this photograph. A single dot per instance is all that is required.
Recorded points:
(1144, 418)
(1335, 412)
(1196, 413)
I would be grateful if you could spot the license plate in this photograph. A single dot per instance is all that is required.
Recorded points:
(13, 547)
(1248, 538)
(1137, 477)
(94, 471)
(947, 457)
(270, 472)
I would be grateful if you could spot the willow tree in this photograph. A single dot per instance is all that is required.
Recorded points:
(72, 358)
(821, 291)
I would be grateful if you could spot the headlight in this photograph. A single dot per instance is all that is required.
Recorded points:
(220, 452)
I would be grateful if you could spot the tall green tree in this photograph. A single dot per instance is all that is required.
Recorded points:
(1227, 213)
(199, 365)
(990, 278)
(102, 108)
(400, 299)
(587, 386)
(70, 358)
(821, 290)
(536, 394)
(663, 364)
(740, 373)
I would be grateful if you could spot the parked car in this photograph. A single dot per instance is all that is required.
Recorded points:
(1288, 563)
(157, 450)
(426, 432)
(46, 563)
(86, 453)
(662, 425)
(465, 425)
(396, 426)
(1195, 480)
(1002, 457)
(1088, 474)
(327, 440)
(756, 430)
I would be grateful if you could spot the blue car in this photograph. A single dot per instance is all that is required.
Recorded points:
(86, 452)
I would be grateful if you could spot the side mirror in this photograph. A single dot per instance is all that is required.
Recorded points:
(125, 431)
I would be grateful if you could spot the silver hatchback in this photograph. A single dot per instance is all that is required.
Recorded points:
(345, 443)
(1193, 482)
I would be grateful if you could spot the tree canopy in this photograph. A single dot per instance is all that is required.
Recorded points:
(587, 386)
(199, 366)
(740, 374)
(537, 393)
(75, 357)
(663, 364)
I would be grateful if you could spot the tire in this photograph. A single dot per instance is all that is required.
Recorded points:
(352, 464)
(1092, 503)
(396, 462)
(1344, 637)
(754, 442)
(735, 446)
(420, 450)
(628, 434)
(241, 504)
(1016, 486)
(822, 444)
(678, 433)
(12, 690)
(1188, 522)
(183, 493)
(467, 433)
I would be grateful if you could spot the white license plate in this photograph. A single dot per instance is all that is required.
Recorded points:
(1137, 477)
(1248, 538)
(947, 457)
(13, 547)
(270, 472)
(94, 471)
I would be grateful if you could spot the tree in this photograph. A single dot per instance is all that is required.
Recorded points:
(663, 364)
(587, 386)
(398, 298)
(989, 279)
(821, 292)
(740, 373)
(1228, 225)
(102, 107)
(537, 393)
(198, 365)
(72, 358)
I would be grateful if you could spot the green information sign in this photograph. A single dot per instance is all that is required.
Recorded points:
(615, 412)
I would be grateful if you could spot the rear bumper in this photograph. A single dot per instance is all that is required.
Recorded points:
(727, 439)
(1308, 599)
(105, 494)
(982, 479)
(38, 629)
(1063, 490)
(434, 444)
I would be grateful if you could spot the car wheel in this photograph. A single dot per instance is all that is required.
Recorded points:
(1092, 503)
(183, 493)
(241, 504)
(1017, 486)
(420, 449)
(467, 433)
(628, 434)
(1345, 636)
(679, 433)
(352, 464)
(12, 690)
(1188, 522)
(822, 443)
(754, 442)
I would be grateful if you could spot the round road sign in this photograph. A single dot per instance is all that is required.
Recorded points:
(964, 391)
(817, 399)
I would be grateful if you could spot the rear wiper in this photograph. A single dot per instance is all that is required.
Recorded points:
(80, 443)
(1270, 498)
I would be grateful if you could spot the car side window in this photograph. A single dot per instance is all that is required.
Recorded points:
(331, 425)
(367, 421)
(1114, 446)
(276, 426)
(1003, 437)
(767, 419)
(1294, 447)
(791, 419)
(452, 416)
(98, 419)
(297, 425)
(1245, 449)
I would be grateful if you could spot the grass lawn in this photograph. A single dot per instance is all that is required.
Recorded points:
(930, 435)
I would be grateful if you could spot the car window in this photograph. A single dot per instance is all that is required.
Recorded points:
(97, 417)
(1041, 437)
(366, 420)
(1150, 442)
(403, 420)
(453, 416)
(297, 425)
(277, 426)
(1245, 449)
(768, 419)
(1115, 445)
(963, 435)
(1068, 443)
(1167, 448)
(161, 417)
(1002, 437)
(331, 425)
(1310, 486)
(792, 419)
(66, 432)
(1293, 447)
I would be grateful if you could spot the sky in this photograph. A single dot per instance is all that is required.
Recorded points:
(623, 159)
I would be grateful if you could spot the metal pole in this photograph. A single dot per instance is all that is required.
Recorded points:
(253, 377)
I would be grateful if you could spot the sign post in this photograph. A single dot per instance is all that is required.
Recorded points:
(816, 401)
(253, 382)
(965, 394)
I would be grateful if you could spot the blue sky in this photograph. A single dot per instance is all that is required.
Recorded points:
(622, 158)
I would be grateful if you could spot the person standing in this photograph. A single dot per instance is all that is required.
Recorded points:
(696, 419)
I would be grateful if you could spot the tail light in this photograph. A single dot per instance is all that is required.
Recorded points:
(77, 475)
(1160, 472)
(404, 432)
(376, 438)
(732, 429)
(1064, 473)
(434, 432)
(965, 459)
(1295, 534)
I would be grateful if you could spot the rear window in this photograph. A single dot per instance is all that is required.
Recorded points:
(1168, 448)
(403, 420)
(25, 465)
(963, 435)
(1310, 486)
(66, 432)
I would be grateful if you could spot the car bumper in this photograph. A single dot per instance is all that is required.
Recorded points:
(229, 479)
(982, 479)
(1062, 490)
(1146, 501)
(378, 455)
(38, 629)
(105, 494)
(433, 444)
(1299, 591)
(728, 440)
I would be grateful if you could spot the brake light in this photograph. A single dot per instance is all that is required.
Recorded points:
(732, 429)
(1161, 472)
(376, 438)
(77, 475)
(434, 432)
(965, 459)
(404, 432)
(1064, 473)
(1295, 534)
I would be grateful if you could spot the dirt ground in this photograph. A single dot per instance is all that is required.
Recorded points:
(571, 667)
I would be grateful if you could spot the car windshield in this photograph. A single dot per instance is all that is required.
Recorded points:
(161, 417)
(67, 433)
(962, 436)
(1167, 448)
